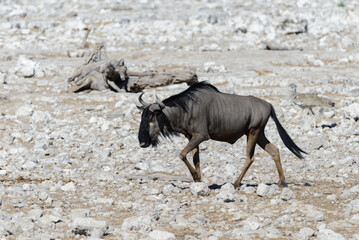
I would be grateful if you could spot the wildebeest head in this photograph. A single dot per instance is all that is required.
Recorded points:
(152, 122)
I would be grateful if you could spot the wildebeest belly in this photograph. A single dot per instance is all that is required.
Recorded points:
(231, 116)
(226, 130)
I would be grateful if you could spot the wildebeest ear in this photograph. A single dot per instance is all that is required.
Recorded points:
(121, 62)
(160, 103)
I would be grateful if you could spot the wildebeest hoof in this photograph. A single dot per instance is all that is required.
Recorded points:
(282, 184)
(197, 177)
(236, 185)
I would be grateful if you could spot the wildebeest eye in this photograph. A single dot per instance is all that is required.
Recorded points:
(151, 115)
(157, 112)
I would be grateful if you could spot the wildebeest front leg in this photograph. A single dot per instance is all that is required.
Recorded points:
(251, 144)
(193, 143)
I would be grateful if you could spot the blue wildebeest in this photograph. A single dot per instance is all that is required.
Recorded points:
(201, 113)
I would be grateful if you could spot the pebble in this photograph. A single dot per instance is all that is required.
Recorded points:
(353, 207)
(264, 190)
(3, 78)
(352, 111)
(287, 194)
(200, 189)
(25, 67)
(69, 187)
(161, 235)
(25, 110)
(315, 216)
(305, 233)
(89, 227)
(328, 234)
(141, 224)
(332, 197)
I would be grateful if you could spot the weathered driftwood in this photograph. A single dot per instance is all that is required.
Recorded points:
(100, 73)
(137, 81)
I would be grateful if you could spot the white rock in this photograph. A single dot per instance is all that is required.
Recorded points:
(283, 220)
(41, 117)
(198, 219)
(354, 189)
(328, 113)
(305, 233)
(2, 78)
(273, 232)
(319, 142)
(352, 111)
(253, 224)
(39, 72)
(213, 67)
(287, 194)
(228, 187)
(263, 190)
(321, 226)
(80, 213)
(69, 187)
(50, 218)
(161, 235)
(199, 189)
(249, 189)
(328, 234)
(332, 197)
(35, 214)
(103, 176)
(225, 196)
(17, 13)
(25, 110)
(43, 195)
(25, 67)
(141, 224)
(353, 207)
(168, 189)
(89, 227)
(227, 193)
(13, 228)
(315, 216)
(142, 166)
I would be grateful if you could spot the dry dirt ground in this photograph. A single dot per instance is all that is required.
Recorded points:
(131, 191)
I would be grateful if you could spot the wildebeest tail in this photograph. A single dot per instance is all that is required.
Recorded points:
(288, 142)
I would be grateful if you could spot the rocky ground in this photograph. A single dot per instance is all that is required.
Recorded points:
(71, 166)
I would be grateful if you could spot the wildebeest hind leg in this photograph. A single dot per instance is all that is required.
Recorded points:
(274, 152)
(193, 143)
(196, 162)
(251, 144)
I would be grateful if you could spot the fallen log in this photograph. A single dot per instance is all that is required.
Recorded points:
(139, 81)
(101, 73)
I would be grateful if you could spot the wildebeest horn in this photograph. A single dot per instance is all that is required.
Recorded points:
(143, 102)
(159, 102)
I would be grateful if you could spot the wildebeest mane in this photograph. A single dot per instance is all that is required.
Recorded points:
(182, 99)
(166, 129)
